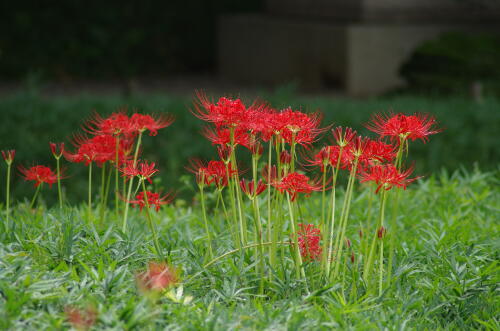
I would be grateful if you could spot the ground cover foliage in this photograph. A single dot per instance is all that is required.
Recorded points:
(446, 268)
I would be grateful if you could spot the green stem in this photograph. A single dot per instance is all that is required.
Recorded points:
(381, 267)
(395, 207)
(130, 184)
(299, 268)
(369, 261)
(270, 237)
(35, 196)
(117, 186)
(59, 191)
(205, 221)
(233, 206)
(90, 190)
(242, 223)
(344, 217)
(258, 226)
(7, 193)
(150, 222)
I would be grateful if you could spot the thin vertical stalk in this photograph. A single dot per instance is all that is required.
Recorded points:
(205, 221)
(270, 237)
(59, 191)
(369, 261)
(150, 222)
(381, 267)
(395, 207)
(117, 185)
(35, 196)
(258, 226)
(299, 268)
(233, 206)
(242, 223)
(90, 190)
(7, 194)
(130, 184)
(345, 216)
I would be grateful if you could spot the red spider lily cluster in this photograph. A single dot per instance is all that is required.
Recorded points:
(279, 179)
(157, 277)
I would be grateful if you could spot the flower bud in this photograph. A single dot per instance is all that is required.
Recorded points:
(381, 232)
(285, 157)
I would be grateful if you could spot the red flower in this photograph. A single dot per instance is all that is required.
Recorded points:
(262, 120)
(141, 123)
(157, 277)
(376, 152)
(116, 124)
(144, 170)
(97, 149)
(222, 136)
(57, 149)
(81, 319)
(381, 232)
(153, 199)
(252, 190)
(295, 124)
(226, 112)
(343, 136)
(309, 242)
(285, 157)
(213, 172)
(387, 176)
(8, 155)
(39, 174)
(396, 126)
(295, 183)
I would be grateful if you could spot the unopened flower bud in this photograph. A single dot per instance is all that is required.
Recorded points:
(285, 157)
(381, 232)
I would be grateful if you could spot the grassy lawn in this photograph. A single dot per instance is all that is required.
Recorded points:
(446, 278)
(445, 273)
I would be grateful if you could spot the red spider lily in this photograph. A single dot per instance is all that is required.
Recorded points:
(81, 319)
(224, 152)
(153, 199)
(304, 128)
(8, 156)
(295, 183)
(57, 149)
(270, 176)
(322, 159)
(226, 112)
(252, 190)
(343, 136)
(376, 152)
(116, 124)
(144, 170)
(381, 232)
(141, 122)
(39, 174)
(158, 277)
(396, 126)
(347, 243)
(387, 176)
(213, 172)
(98, 149)
(262, 121)
(309, 242)
(222, 136)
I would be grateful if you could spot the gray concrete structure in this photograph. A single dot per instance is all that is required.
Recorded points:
(357, 46)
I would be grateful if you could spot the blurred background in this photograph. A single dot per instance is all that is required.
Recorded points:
(59, 62)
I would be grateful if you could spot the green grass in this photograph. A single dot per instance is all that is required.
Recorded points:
(30, 121)
(447, 269)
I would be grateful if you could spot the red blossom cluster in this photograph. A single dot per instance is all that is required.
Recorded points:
(39, 174)
(151, 199)
(157, 277)
(309, 242)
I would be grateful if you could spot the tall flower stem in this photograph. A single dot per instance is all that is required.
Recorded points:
(7, 193)
(103, 184)
(395, 207)
(117, 186)
(205, 221)
(242, 223)
(130, 184)
(327, 258)
(230, 185)
(35, 196)
(90, 190)
(150, 222)
(299, 268)
(381, 267)
(106, 192)
(344, 216)
(258, 226)
(369, 262)
(59, 191)
(270, 237)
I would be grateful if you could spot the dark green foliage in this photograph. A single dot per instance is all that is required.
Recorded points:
(453, 62)
(30, 121)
